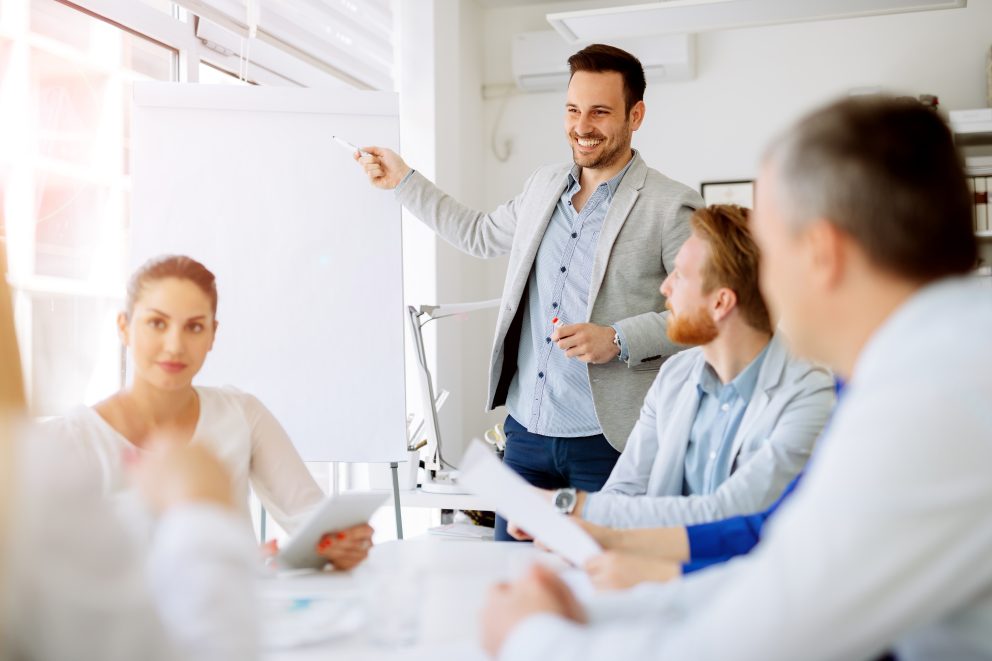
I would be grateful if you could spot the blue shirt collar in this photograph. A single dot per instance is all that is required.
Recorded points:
(743, 384)
(612, 184)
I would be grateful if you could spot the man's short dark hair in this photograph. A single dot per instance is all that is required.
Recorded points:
(599, 58)
(884, 170)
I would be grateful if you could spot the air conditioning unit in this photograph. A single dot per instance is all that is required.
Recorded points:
(540, 59)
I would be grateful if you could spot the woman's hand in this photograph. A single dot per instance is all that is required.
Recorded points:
(346, 549)
(616, 570)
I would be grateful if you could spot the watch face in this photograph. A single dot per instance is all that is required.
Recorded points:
(564, 501)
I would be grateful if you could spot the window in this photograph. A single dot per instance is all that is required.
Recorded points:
(66, 73)
(212, 75)
(64, 185)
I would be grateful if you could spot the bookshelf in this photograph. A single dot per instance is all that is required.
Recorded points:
(973, 134)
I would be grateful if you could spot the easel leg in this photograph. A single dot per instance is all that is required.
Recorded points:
(394, 468)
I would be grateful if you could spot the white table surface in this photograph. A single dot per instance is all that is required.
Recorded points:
(452, 501)
(457, 575)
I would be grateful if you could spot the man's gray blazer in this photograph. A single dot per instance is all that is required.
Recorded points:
(647, 223)
(790, 404)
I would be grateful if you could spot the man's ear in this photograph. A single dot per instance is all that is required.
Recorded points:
(636, 115)
(724, 303)
(826, 245)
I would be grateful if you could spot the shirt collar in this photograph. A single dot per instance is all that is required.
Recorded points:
(747, 381)
(612, 184)
(743, 384)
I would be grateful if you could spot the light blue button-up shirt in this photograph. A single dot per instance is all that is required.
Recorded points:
(709, 456)
(549, 393)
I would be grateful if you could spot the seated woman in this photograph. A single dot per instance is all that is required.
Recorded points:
(169, 325)
(190, 597)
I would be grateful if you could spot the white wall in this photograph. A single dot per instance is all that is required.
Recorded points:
(440, 67)
(750, 83)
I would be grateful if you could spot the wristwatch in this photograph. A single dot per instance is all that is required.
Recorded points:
(565, 499)
(616, 342)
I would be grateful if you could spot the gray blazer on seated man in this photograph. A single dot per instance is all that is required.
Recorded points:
(726, 425)
(788, 407)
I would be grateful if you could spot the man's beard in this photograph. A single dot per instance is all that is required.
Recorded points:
(692, 328)
(607, 158)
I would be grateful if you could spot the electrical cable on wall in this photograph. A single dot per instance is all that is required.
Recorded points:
(502, 151)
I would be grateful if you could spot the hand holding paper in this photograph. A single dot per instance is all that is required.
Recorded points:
(484, 475)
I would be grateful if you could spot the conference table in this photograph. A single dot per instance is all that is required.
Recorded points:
(414, 599)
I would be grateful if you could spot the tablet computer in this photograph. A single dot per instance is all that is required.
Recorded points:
(335, 513)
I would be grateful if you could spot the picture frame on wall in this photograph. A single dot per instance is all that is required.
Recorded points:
(988, 75)
(739, 192)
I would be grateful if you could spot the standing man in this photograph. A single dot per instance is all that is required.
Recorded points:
(588, 243)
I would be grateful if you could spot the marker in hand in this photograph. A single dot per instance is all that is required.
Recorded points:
(556, 323)
(350, 147)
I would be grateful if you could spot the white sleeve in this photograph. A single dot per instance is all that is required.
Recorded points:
(889, 532)
(81, 588)
(278, 474)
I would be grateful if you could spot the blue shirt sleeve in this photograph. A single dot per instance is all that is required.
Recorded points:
(703, 563)
(711, 543)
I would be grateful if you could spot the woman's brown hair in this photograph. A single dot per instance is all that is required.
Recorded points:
(162, 267)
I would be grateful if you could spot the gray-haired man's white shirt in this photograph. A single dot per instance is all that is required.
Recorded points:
(887, 543)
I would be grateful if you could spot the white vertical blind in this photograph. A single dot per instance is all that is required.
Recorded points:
(352, 39)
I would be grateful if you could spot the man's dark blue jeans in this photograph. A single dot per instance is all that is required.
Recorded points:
(551, 462)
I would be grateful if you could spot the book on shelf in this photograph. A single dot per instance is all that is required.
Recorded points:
(979, 187)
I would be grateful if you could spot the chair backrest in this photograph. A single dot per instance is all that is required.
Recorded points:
(11, 412)
(11, 382)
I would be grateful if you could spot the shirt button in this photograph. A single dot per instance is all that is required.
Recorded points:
(712, 456)
(563, 269)
(575, 235)
(725, 408)
(540, 375)
(554, 305)
(569, 203)
(548, 340)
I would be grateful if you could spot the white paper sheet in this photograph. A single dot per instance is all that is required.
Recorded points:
(485, 476)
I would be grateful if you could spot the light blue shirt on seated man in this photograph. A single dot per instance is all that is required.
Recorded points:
(709, 457)
(550, 394)
(763, 442)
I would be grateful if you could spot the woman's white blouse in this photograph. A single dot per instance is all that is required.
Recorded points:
(237, 427)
